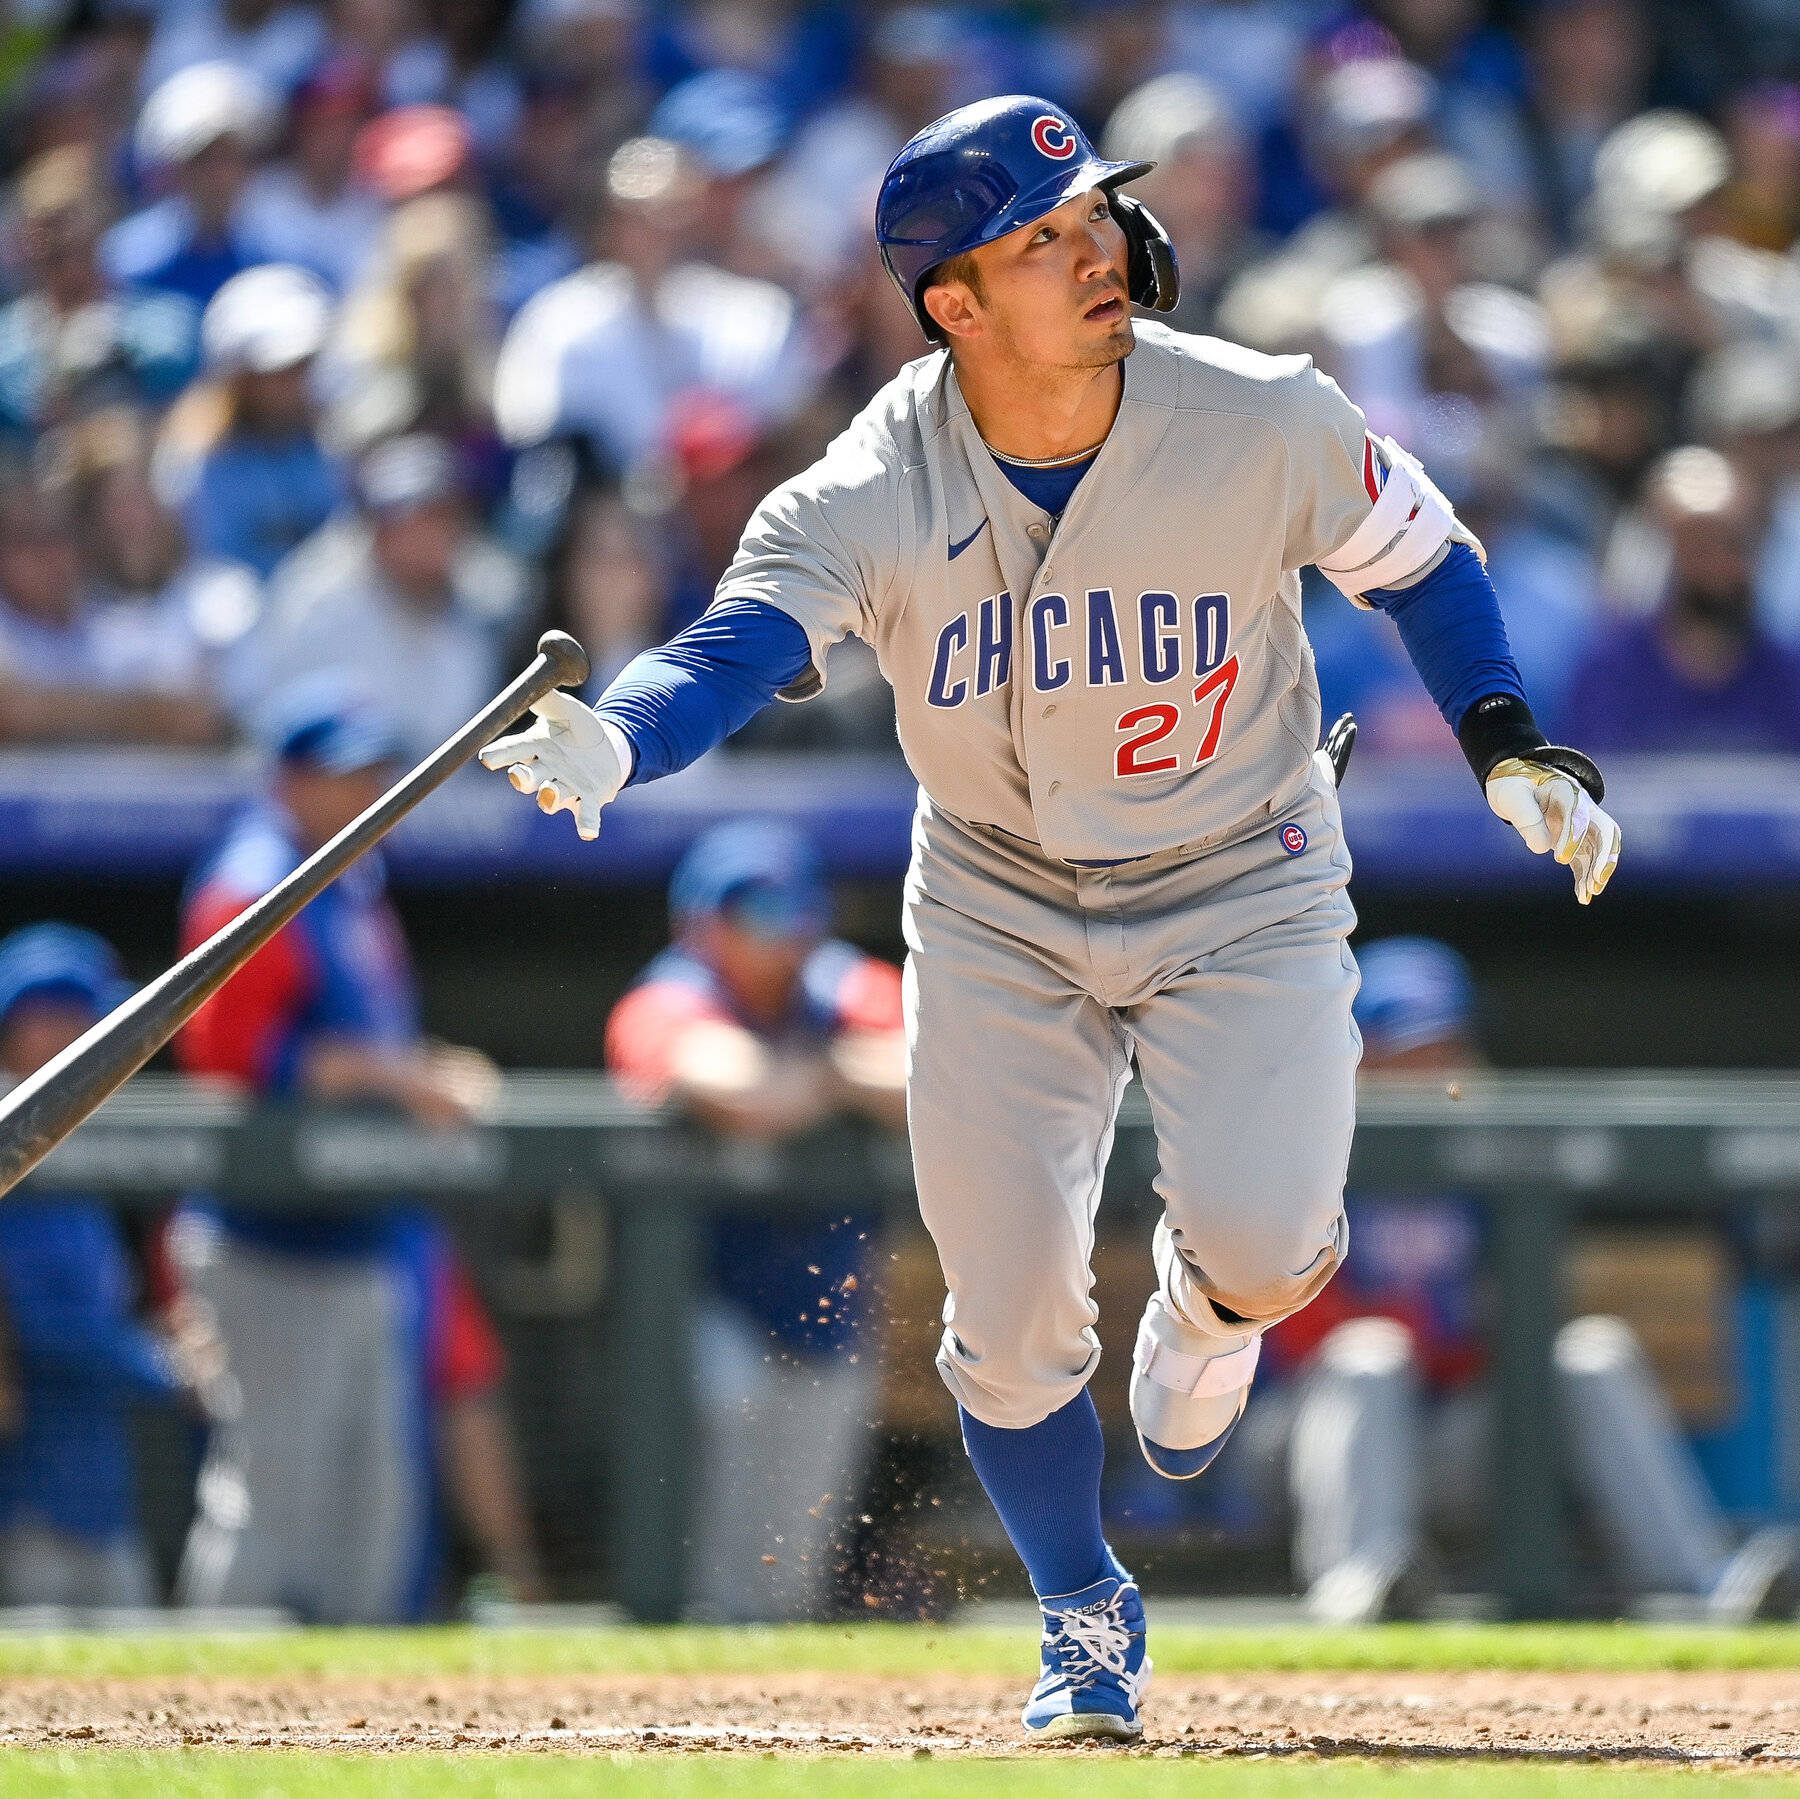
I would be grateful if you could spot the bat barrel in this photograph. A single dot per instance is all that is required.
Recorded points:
(44, 1108)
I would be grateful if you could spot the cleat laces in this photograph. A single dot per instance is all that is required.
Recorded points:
(1090, 1644)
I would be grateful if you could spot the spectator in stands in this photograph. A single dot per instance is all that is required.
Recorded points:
(1762, 204)
(1203, 188)
(406, 591)
(416, 342)
(601, 355)
(1607, 414)
(176, 621)
(536, 183)
(731, 124)
(610, 586)
(1589, 63)
(241, 455)
(68, 672)
(308, 208)
(274, 41)
(813, 210)
(1656, 255)
(468, 65)
(68, 1514)
(1744, 401)
(72, 341)
(1381, 1445)
(393, 39)
(317, 1497)
(1699, 673)
(200, 131)
(763, 1028)
(1447, 362)
(1355, 120)
(1365, 114)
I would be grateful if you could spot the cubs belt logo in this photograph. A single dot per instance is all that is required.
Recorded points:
(1293, 839)
(1053, 136)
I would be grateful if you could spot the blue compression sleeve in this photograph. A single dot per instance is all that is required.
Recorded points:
(677, 702)
(1450, 623)
(1045, 1484)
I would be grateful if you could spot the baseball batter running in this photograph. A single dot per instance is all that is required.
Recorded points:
(1075, 541)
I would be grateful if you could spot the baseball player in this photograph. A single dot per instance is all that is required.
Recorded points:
(1074, 541)
(316, 1495)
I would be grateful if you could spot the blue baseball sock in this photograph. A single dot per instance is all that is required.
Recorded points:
(1045, 1484)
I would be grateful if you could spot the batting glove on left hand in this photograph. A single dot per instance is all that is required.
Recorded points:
(1552, 811)
(571, 759)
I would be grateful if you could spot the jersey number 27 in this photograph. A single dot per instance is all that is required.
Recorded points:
(1151, 725)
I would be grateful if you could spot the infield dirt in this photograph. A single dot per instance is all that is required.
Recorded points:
(1751, 1716)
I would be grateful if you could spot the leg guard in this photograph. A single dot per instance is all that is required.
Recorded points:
(1190, 1377)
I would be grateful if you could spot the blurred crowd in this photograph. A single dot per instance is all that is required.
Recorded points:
(382, 333)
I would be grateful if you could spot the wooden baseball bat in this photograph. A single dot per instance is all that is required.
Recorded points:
(45, 1108)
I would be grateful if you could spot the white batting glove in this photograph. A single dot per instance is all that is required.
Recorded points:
(1553, 811)
(573, 760)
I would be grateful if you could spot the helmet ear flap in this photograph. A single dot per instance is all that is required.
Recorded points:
(1151, 272)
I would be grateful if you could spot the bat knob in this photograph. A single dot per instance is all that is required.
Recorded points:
(568, 658)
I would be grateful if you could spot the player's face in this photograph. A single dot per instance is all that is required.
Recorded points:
(1054, 292)
(321, 804)
(38, 1029)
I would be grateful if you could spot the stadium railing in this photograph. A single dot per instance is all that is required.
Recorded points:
(1540, 1150)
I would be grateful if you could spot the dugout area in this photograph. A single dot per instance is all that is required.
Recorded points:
(1680, 990)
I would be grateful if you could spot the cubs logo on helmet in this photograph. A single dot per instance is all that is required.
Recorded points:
(1054, 137)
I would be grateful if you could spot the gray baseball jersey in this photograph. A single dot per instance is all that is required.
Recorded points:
(1127, 851)
(1133, 677)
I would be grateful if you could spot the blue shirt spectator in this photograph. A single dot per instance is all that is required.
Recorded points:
(265, 482)
(200, 131)
(257, 497)
(1700, 673)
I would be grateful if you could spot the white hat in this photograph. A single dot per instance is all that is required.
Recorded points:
(267, 318)
(199, 105)
(1661, 162)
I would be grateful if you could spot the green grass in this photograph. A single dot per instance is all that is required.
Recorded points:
(191, 1774)
(897, 1650)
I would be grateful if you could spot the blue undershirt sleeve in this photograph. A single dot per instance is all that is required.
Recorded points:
(677, 702)
(1450, 622)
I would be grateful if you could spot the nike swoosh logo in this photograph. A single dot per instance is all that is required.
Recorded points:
(956, 549)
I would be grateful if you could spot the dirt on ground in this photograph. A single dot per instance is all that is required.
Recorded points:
(1742, 1718)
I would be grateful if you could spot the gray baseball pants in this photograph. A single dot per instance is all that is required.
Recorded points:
(1371, 1464)
(1032, 987)
(312, 1499)
(787, 1441)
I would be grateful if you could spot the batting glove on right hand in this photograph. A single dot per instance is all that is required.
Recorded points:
(570, 759)
(1553, 811)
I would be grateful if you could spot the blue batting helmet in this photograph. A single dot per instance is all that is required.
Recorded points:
(987, 169)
